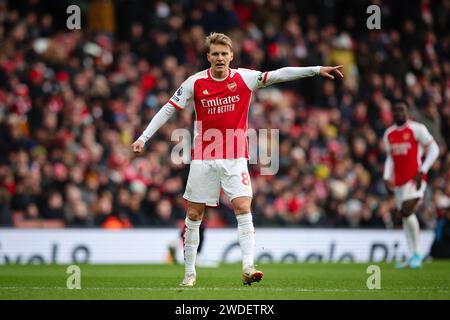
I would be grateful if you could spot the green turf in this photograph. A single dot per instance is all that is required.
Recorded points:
(281, 281)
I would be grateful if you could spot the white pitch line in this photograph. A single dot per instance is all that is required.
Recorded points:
(403, 290)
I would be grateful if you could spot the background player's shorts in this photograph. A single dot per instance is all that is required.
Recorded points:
(408, 191)
(206, 177)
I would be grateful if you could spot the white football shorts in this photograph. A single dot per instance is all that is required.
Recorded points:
(408, 191)
(206, 177)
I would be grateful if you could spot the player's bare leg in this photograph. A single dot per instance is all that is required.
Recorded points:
(246, 235)
(412, 229)
(191, 238)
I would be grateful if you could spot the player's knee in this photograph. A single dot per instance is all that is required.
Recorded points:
(241, 207)
(408, 208)
(194, 214)
(406, 211)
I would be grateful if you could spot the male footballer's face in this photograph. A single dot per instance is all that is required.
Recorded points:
(400, 113)
(219, 56)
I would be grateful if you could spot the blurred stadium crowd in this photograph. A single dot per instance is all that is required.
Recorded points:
(72, 102)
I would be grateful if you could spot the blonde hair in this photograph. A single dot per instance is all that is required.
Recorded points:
(218, 38)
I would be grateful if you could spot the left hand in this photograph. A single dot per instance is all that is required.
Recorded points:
(137, 146)
(326, 71)
(419, 177)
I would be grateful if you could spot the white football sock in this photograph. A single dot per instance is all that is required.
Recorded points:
(411, 228)
(191, 240)
(246, 236)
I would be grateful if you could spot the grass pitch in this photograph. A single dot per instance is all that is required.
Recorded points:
(281, 281)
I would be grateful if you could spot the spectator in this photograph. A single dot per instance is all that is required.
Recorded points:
(441, 244)
(53, 209)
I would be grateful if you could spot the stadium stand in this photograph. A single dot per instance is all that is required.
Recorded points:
(72, 102)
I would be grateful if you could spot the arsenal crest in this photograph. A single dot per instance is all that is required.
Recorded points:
(406, 136)
(232, 86)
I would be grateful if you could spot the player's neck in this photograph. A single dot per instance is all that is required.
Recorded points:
(219, 75)
(401, 124)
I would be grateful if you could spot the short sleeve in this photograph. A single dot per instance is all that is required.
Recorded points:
(183, 95)
(252, 78)
(422, 135)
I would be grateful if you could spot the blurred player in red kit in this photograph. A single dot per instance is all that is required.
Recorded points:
(405, 174)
